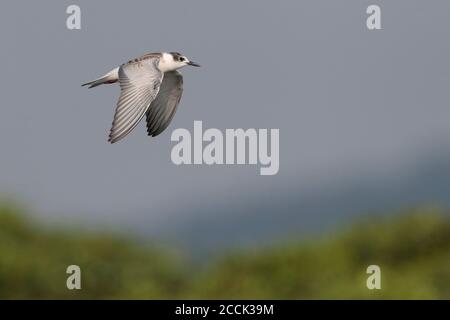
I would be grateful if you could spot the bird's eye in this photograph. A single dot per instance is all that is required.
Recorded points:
(181, 59)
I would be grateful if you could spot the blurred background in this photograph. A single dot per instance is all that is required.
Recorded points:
(364, 152)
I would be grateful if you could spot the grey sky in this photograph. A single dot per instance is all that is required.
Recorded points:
(347, 101)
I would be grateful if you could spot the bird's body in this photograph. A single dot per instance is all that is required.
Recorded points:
(150, 86)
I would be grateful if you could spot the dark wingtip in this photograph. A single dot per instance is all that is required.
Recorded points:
(113, 140)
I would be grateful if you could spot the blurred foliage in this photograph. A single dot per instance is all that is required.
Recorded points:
(412, 249)
(33, 262)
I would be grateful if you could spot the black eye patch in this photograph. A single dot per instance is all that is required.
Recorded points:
(176, 56)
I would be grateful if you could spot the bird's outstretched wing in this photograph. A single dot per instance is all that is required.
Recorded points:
(163, 108)
(140, 83)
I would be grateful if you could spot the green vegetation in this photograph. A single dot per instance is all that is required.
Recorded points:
(413, 251)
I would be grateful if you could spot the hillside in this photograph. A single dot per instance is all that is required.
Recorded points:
(413, 251)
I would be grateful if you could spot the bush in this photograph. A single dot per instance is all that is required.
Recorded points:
(413, 251)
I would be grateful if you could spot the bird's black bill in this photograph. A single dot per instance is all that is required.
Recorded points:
(193, 64)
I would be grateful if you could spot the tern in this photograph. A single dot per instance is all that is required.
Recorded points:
(150, 86)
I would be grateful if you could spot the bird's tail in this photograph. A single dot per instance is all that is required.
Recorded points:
(110, 77)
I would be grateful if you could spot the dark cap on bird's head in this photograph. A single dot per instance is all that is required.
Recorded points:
(179, 57)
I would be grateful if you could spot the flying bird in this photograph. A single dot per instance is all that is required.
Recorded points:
(150, 86)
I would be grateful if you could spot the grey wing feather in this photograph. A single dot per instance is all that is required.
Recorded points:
(139, 82)
(163, 108)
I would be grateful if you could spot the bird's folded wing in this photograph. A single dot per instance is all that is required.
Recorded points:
(139, 82)
(163, 108)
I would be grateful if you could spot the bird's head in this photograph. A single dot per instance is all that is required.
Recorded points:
(171, 61)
